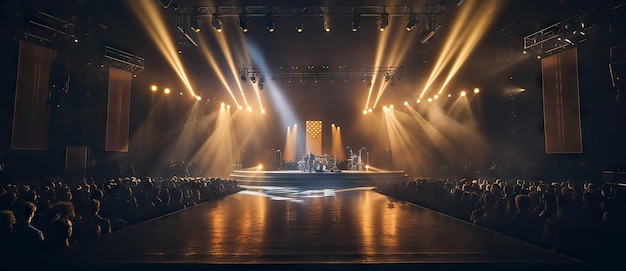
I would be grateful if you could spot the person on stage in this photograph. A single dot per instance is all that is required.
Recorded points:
(310, 161)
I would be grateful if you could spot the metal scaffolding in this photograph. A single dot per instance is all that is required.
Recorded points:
(557, 37)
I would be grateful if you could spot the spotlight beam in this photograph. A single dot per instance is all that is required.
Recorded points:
(150, 16)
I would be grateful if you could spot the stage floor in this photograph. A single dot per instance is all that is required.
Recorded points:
(327, 179)
(277, 228)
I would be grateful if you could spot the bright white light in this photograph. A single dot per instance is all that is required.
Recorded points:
(198, 98)
(406, 103)
(239, 107)
(249, 109)
(154, 88)
(430, 100)
(364, 112)
(228, 107)
(369, 110)
(449, 95)
(419, 101)
(259, 167)
(167, 91)
(391, 106)
(436, 96)
(463, 93)
(476, 90)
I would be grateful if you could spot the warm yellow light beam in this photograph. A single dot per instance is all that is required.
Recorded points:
(401, 44)
(460, 44)
(216, 68)
(479, 26)
(225, 47)
(153, 22)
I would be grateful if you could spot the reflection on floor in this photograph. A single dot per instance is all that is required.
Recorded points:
(273, 227)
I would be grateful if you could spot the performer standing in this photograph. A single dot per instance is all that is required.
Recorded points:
(310, 161)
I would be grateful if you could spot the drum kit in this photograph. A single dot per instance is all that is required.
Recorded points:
(321, 163)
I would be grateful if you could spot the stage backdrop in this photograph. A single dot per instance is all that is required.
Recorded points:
(31, 116)
(314, 136)
(118, 110)
(561, 103)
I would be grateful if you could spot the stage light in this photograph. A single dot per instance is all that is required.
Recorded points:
(427, 33)
(217, 22)
(167, 91)
(391, 106)
(430, 100)
(383, 21)
(436, 97)
(154, 88)
(316, 80)
(364, 112)
(195, 25)
(249, 109)
(419, 101)
(253, 78)
(262, 111)
(356, 22)
(198, 98)
(327, 26)
(387, 77)
(406, 103)
(269, 22)
(243, 22)
(243, 78)
(449, 95)
(369, 110)
(180, 93)
(476, 90)
(463, 93)
(299, 26)
(411, 22)
(523, 90)
(228, 107)
(238, 107)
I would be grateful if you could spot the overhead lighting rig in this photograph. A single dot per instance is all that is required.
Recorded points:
(365, 73)
(414, 14)
(557, 37)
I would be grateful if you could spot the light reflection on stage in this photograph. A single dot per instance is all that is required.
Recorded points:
(287, 227)
(293, 194)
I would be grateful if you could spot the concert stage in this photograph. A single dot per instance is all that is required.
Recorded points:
(327, 178)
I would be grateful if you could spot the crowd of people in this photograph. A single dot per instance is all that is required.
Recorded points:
(43, 216)
(585, 221)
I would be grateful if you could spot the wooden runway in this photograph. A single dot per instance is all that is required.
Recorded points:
(274, 228)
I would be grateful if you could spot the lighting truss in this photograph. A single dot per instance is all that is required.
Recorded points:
(557, 37)
(124, 60)
(363, 72)
(47, 28)
(423, 13)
